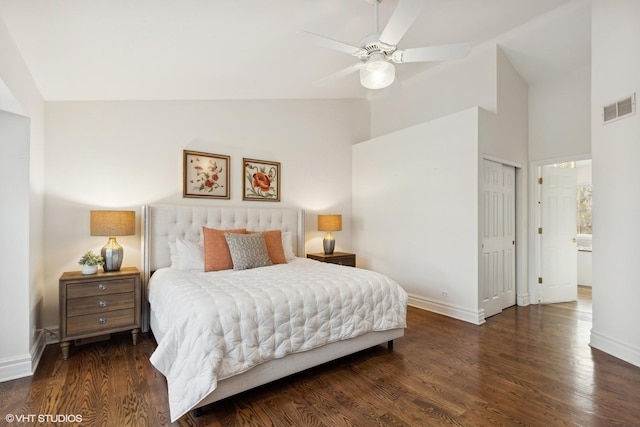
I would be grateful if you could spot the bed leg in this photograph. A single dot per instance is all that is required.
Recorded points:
(197, 412)
(390, 345)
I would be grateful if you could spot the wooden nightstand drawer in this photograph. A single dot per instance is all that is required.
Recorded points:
(102, 287)
(349, 260)
(100, 304)
(340, 258)
(99, 323)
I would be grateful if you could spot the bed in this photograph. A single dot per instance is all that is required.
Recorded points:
(208, 353)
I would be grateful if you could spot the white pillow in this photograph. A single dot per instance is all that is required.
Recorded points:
(188, 255)
(287, 245)
(191, 255)
(173, 251)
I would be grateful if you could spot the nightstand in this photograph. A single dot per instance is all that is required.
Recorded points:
(98, 304)
(341, 258)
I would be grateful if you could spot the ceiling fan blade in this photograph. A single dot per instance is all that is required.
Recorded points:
(332, 44)
(339, 74)
(432, 53)
(406, 12)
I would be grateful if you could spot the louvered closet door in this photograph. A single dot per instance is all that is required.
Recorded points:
(497, 284)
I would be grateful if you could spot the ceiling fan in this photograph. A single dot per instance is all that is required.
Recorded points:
(378, 50)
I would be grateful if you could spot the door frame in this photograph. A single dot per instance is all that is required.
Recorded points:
(535, 219)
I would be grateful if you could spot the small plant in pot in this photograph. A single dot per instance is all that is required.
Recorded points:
(90, 262)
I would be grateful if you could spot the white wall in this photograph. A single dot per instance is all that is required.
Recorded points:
(585, 262)
(14, 247)
(584, 172)
(449, 87)
(415, 211)
(21, 285)
(560, 116)
(504, 132)
(616, 149)
(126, 154)
(425, 181)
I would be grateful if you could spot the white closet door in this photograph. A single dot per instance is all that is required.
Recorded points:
(497, 284)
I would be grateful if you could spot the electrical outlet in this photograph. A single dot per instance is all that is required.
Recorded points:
(444, 293)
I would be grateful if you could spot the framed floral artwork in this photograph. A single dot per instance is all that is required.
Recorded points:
(261, 180)
(206, 175)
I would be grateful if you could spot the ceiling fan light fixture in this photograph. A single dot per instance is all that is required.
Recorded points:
(378, 51)
(377, 73)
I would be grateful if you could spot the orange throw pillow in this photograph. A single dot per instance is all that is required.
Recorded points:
(216, 250)
(273, 239)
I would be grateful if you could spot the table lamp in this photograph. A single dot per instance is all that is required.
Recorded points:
(329, 223)
(112, 224)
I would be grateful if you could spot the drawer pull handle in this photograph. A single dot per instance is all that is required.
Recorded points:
(102, 303)
(102, 320)
(102, 286)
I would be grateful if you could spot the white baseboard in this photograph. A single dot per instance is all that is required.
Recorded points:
(615, 348)
(522, 300)
(37, 349)
(460, 313)
(12, 368)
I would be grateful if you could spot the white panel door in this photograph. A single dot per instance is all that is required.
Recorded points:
(497, 284)
(559, 243)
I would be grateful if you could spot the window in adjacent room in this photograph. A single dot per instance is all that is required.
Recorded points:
(584, 217)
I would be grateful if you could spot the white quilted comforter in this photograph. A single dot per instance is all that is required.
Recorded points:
(224, 323)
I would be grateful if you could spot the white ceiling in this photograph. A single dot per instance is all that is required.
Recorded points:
(252, 49)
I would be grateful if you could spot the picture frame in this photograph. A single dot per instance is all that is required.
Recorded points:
(206, 175)
(261, 180)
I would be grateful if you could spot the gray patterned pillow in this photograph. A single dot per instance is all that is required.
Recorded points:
(247, 250)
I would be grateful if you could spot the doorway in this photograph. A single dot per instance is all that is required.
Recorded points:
(561, 230)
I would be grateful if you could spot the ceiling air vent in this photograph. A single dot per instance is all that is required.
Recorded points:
(619, 109)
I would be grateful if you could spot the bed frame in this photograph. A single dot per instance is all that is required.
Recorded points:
(164, 223)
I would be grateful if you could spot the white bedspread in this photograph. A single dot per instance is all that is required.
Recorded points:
(223, 323)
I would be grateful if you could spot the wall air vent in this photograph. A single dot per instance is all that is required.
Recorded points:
(619, 109)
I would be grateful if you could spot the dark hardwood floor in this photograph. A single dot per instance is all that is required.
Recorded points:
(527, 366)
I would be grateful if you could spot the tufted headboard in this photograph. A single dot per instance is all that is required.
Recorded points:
(162, 224)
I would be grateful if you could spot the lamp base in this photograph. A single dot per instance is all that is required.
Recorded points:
(112, 253)
(328, 244)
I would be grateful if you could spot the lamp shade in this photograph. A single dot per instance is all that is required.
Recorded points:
(377, 73)
(330, 222)
(113, 223)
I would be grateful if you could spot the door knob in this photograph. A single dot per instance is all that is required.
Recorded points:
(574, 240)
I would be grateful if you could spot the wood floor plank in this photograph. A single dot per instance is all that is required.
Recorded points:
(529, 366)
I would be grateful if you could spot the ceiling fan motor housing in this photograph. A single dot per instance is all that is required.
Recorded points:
(372, 44)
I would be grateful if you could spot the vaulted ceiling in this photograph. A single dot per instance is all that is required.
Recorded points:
(251, 49)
